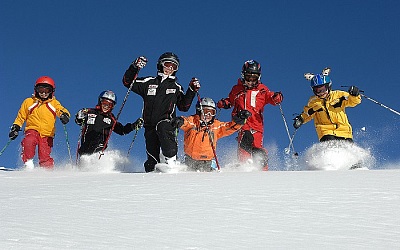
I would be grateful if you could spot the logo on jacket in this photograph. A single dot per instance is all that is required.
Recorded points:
(107, 120)
(170, 91)
(91, 118)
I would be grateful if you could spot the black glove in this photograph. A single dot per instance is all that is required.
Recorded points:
(138, 124)
(14, 131)
(140, 62)
(194, 84)
(81, 116)
(177, 122)
(277, 98)
(241, 116)
(298, 121)
(224, 103)
(354, 91)
(64, 117)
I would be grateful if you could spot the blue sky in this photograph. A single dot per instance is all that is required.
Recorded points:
(86, 46)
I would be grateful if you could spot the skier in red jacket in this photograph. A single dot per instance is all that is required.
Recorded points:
(252, 95)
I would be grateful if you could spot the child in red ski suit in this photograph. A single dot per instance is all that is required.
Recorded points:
(252, 95)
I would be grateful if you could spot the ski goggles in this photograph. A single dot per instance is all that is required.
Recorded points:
(251, 77)
(107, 103)
(43, 89)
(170, 65)
(208, 112)
(320, 89)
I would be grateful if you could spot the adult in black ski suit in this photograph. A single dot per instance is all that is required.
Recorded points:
(97, 124)
(161, 96)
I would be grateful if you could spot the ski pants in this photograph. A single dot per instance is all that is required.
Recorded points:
(251, 147)
(31, 140)
(198, 165)
(333, 138)
(161, 136)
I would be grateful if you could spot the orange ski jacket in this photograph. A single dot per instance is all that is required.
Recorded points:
(197, 139)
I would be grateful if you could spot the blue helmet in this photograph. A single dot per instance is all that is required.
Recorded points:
(319, 80)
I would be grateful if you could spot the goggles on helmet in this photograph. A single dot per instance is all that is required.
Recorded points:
(105, 103)
(251, 77)
(170, 65)
(208, 112)
(320, 90)
(42, 89)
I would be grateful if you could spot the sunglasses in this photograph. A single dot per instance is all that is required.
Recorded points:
(170, 65)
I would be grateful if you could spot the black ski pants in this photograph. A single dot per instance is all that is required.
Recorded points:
(164, 137)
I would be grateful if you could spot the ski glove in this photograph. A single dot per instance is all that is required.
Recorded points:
(277, 98)
(138, 124)
(224, 103)
(194, 84)
(81, 116)
(140, 62)
(298, 121)
(354, 91)
(64, 117)
(177, 122)
(241, 117)
(14, 131)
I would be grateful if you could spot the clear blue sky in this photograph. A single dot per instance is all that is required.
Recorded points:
(86, 46)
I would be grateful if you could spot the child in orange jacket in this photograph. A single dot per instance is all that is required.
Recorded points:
(202, 132)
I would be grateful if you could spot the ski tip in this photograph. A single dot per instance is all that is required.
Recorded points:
(6, 169)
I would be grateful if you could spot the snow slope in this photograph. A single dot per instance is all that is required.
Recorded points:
(228, 210)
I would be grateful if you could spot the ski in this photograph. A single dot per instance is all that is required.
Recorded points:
(6, 169)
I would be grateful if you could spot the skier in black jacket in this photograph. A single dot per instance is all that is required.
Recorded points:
(97, 123)
(161, 96)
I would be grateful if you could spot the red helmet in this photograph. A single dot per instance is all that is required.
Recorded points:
(46, 80)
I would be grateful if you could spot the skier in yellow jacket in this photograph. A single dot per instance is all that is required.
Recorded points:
(327, 108)
(39, 112)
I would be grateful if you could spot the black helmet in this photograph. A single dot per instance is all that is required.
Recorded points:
(251, 67)
(167, 57)
(251, 70)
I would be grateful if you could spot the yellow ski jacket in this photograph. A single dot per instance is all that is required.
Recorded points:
(40, 115)
(329, 114)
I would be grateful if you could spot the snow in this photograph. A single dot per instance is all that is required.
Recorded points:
(101, 207)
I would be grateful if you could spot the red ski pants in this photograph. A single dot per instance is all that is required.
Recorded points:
(251, 144)
(31, 140)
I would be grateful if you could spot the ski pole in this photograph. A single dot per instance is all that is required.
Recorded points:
(376, 102)
(288, 133)
(133, 140)
(4, 148)
(127, 94)
(120, 111)
(287, 150)
(209, 135)
(380, 104)
(66, 139)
